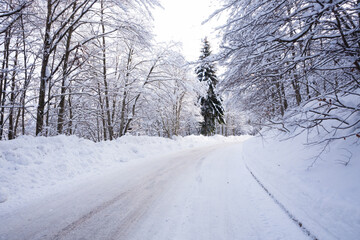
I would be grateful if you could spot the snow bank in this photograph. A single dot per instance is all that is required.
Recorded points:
(30, 166)
(323, 193)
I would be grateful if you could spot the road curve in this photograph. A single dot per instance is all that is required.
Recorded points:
(204, 193)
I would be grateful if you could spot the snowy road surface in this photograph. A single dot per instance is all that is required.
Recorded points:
(205, 193)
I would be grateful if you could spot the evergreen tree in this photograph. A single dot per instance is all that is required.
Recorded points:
(211, 108)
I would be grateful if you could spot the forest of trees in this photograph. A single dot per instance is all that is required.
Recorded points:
(294, 64)
(91, 68)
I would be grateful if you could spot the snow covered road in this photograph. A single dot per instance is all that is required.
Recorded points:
(205, 193)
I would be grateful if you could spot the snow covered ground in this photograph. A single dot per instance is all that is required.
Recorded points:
(31, 167)
(323, 193)
(186, 188)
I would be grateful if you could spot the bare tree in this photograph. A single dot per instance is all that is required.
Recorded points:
(54, 33)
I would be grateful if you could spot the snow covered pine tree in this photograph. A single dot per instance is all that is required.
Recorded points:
(211, 108)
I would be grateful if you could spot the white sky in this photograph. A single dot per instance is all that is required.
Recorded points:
(180, 21)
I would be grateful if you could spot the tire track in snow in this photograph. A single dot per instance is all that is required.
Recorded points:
(72, 226)
(145, 196)
(290, 215)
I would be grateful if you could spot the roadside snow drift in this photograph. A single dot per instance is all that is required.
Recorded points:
(322, 191)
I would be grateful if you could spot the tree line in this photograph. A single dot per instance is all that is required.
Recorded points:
(91, 68)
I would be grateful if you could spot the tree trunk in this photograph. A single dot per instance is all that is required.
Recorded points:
(106, 89)
(61, 114)
(44, 75)
(3, 80)
(71, 115)
(296, 87)
(11, 133)
(125, 92)
(26, 78)
(102, 112)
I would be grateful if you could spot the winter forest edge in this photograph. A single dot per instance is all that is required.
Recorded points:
(91, 68)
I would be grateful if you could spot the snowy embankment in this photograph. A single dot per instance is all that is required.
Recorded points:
(31, 167)
(323, 193)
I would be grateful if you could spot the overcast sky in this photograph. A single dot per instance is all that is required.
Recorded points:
(180, 21)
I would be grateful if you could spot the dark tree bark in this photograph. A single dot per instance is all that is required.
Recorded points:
(44, 74)
(106, 88)
(11, 133)
(61, 114)
(4, 79)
